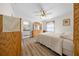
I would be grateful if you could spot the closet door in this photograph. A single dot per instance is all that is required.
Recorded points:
(10, 36)
(76, 29)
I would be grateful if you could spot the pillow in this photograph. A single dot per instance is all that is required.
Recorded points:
(69, 36)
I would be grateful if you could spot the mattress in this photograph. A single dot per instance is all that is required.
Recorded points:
(67, 36)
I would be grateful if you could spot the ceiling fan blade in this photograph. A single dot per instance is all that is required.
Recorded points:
(37, 15)
(37, 11)
(49, 9)
(49, 13)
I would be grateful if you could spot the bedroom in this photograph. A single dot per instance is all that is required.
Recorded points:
(42, 29)
(52, 22)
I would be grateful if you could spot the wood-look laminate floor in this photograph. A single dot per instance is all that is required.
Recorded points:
(31, 48)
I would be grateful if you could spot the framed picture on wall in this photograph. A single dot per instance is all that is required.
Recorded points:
(66, 22)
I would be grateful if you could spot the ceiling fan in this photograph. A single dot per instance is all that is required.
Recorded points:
(43, 13)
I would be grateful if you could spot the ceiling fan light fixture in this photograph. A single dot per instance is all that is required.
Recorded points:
(43, 17)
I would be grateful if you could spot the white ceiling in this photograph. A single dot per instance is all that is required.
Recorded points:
(29, 11)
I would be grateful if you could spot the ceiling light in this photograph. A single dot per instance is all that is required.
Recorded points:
(43, 17)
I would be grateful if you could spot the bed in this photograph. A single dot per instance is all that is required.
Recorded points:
(56, 42)
(67, 44)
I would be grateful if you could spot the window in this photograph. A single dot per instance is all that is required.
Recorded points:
(50, 27)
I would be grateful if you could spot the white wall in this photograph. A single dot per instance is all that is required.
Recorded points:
(6, 9)
(59, 27)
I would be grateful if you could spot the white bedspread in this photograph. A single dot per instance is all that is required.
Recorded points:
(54, 43)
(67, 47)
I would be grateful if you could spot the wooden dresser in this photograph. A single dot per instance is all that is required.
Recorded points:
(37, 29)
(36, 32)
